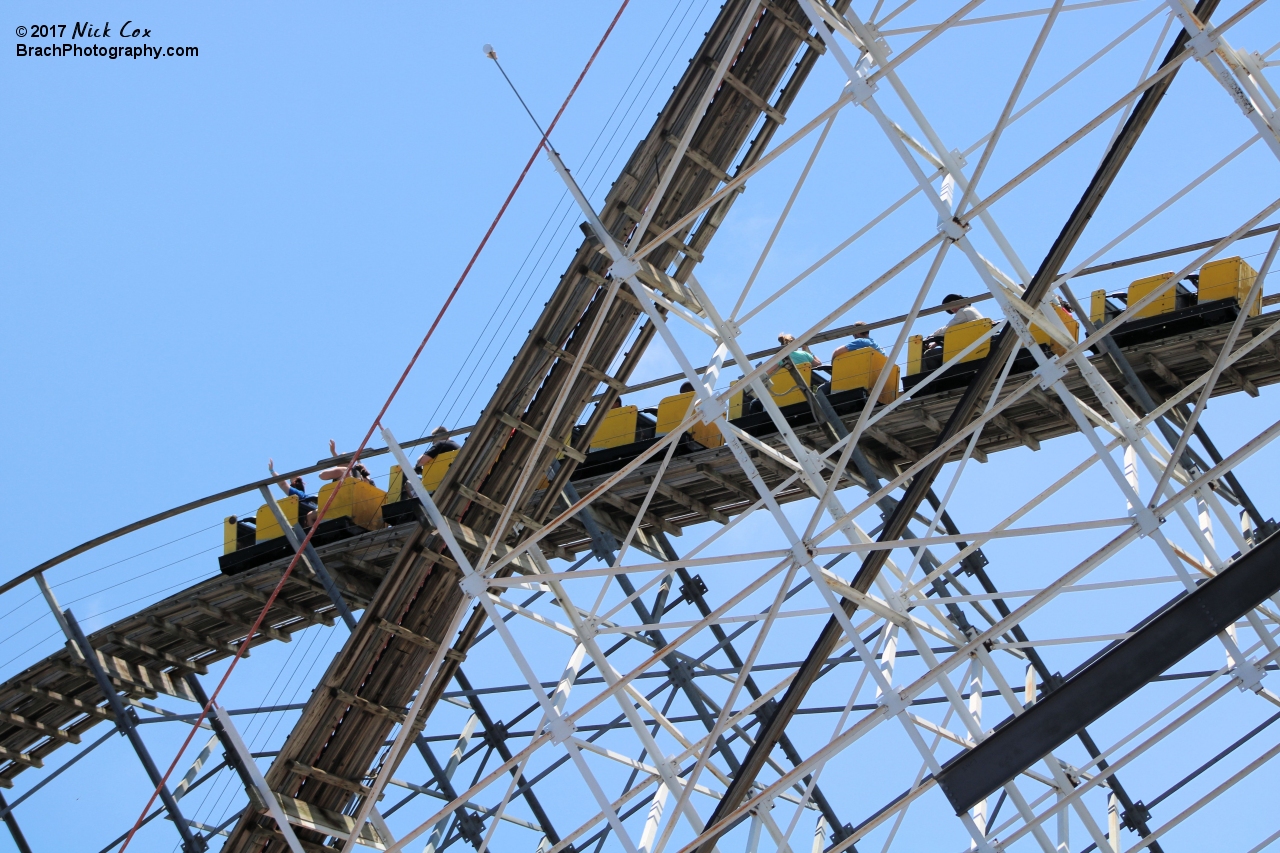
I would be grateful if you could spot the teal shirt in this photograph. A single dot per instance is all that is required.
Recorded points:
(801, 357)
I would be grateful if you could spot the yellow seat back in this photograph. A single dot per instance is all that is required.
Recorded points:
(267, 526)
(674, 409)
(915, 354)
(860, 369)
(617, 429)
(1040, 336)
(356, 499)
(1229, 278)
(231, 531)
(1163, 304)
(736, 405)
(1098, 307)
(961, 335)
(433, 471)
(783, 388)
(395, 486)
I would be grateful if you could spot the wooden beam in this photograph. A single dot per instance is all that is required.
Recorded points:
(725, 483)
(701, 159)
(478, 541)
(591, 370)
(690, 502)
(892, 443)
(759, 102)
(288, 607)
(79, 670)
(187, 634)
(1234, 374)
(797, 28)
(1159, 368)
(232, 619)
(22, 758)
(405, 634)
(303, 814)
(329, 779)
(633, 510)
(1014, 430)
(495, 507)
(367, 706)
(24, 722)
(162, 658)
(552, 441)
(65, 701)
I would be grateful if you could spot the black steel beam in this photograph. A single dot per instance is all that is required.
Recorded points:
(125, 722)
(1002, 349)
(16, 831)
(1118, 673)
(496, 736)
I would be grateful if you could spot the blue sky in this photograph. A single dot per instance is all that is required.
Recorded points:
(219, 259)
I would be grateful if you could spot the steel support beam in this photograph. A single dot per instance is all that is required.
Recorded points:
(497, 738)
(126, 723)
(1001, 350)
(1116, 674)
(16, 831)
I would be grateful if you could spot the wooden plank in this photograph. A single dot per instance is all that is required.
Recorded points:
(66, 701)
(1159, 368)
(23, 758)
(367, 706)
(799, 29)
(723, 482)
(589, 369)
(288, 607)
(701, 159)
(750, 94)
(478, 541)
(405, 634)
(307, 816)
(232, 619)
(689, 502)
(633, 510)
(162, 658)
(150, 679)
(329, 779)
(79, 670)
(551, 441)
(1233, 373)
(21, 721)
(1004, 423)
(194, 636)
(495, 507)
(898, 447)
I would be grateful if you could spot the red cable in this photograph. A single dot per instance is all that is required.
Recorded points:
(195, 727)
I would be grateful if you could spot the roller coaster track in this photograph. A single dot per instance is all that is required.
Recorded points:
(524, 460)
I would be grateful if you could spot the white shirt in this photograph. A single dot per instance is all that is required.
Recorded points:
(964, 315)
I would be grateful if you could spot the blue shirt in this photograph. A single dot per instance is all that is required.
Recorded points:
(862, 343)
(801, 357)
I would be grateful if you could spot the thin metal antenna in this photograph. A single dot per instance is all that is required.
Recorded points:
(493, 54)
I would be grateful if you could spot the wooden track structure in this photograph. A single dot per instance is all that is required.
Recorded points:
(400, 576)
(55, 701)
(420, 593)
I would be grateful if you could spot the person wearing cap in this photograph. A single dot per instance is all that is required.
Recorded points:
(440, 443)
(964, 314)
(861, 340)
